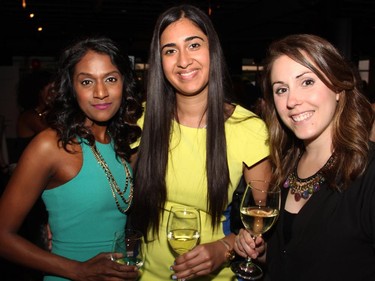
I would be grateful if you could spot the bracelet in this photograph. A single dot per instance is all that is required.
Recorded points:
(230, 254)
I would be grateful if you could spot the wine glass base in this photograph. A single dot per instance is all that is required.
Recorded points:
(247, 271)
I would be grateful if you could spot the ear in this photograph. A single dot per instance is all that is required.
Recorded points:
(338, 96)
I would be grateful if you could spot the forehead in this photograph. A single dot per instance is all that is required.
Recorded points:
(94, 60)
(284, 65)
(181, 29)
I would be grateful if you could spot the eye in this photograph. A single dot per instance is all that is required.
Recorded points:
(194, 45)
(169, 51)
(308, 82)
(86, 82)
(280, 90)
(112, 79)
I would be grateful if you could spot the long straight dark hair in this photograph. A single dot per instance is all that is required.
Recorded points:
(150, 194)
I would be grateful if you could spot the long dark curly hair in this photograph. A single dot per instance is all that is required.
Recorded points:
(67, 118)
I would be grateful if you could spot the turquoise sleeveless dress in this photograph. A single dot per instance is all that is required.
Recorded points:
(82, 213)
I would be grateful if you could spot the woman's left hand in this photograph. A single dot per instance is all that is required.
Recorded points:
(202, 260)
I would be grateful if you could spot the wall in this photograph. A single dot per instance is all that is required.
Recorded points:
(8, 100)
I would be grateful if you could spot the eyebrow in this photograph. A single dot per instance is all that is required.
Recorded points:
(105, 74)
(276, 82)
(298, 76)
(187, 39)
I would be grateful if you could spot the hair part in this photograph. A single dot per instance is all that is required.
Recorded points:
(161, 108)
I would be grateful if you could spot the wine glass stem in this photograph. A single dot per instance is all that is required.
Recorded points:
(248, 265)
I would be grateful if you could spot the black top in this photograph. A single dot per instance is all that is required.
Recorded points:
(331, 238)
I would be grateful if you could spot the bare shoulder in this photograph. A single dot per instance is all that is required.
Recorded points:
(45, 143)
(46, 151)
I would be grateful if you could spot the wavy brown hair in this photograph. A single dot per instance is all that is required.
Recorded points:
(352, 120)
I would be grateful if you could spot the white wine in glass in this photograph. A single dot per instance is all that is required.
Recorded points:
(259, 211)
(183, 230)
(130, 244)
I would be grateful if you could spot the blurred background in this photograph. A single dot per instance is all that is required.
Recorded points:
(33, 33)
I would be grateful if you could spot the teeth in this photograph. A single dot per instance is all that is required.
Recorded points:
(187, 73)
(302, 116)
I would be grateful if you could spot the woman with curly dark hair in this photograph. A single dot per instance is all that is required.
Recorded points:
(319, 124)
(81, 167)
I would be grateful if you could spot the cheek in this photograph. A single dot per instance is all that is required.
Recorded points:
(118, 94)
(281, 109)
(279, 104)
(166, 65)
(204, 59)
(82, 97)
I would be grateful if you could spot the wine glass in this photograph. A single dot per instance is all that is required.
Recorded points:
(130, 243)
(183, 230)
(259, 210)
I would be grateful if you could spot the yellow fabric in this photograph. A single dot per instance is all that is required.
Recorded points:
(187, 183)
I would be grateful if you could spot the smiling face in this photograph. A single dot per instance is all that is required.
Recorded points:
(305, 104)
(98, 84)
(185, 57)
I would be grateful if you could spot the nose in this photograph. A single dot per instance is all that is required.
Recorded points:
(100, 90)
(294, 98)
(184, 59)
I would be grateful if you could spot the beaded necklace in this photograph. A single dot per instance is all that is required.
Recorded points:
(115, 189)
(304, 188)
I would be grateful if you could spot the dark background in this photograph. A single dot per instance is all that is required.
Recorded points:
(245, 27)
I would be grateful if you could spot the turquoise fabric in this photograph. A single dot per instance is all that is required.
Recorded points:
(82, 212)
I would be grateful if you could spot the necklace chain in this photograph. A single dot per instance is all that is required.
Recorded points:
(115, 189)
(304, 188)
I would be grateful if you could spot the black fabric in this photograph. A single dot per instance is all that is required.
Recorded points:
(332, 237)
(235, 218)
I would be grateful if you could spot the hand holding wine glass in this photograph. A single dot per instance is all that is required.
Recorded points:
(130, 244)
(259, 210)
(183, 230)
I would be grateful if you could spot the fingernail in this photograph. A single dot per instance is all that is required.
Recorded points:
(174, 277)
(171, 268)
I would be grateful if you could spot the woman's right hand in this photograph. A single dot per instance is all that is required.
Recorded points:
(102, 268)
(245, 246)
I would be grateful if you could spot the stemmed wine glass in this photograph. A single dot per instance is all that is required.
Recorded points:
(130, 244)
(259, 210)
(183, 230)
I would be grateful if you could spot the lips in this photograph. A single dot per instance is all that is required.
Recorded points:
(102, 106)
(188, 74)
(302, 117)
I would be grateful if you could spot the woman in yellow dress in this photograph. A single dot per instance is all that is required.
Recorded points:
(195, 146)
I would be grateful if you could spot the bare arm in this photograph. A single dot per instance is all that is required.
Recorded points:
(260, 171)
(31, 175)
(38, 168)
